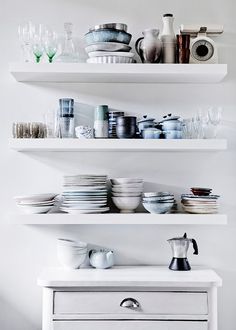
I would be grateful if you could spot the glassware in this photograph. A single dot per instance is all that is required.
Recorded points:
(25, 33)
(50, 44)
(28, 130)
(215, 115)
(37, 42)
(68, 53)
(51, 124)
(66, 118)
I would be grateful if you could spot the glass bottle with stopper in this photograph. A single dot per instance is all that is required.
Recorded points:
(69, 53)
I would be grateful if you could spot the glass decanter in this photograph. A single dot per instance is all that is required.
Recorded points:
(69, 53)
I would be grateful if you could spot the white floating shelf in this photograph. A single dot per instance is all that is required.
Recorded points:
(118, 219)
(115, 145)
(118, 73)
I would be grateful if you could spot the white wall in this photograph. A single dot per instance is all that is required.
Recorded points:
(25, 250)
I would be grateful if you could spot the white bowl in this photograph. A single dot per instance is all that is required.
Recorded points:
(35, 209)
(69, 242)
(125, 180)
(127, 190)
(126, 204)
(71, 260)
(158, 208)
(36, 198)
(125, 194)
(128, 185)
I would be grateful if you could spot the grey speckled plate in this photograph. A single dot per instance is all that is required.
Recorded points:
(108, 47)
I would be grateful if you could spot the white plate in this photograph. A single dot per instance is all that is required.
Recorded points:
(108, 46)
(35, 198)
(72, 211)
(82, 206)
(119, 54)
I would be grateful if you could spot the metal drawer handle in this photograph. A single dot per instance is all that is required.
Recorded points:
(130, 303)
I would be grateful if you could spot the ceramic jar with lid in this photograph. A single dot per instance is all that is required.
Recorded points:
(126, 127)
(101, 122)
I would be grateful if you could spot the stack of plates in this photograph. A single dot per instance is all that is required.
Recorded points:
(109, 43)
(159, 202)
(85, 194)
(36, 204)
(112, 116)
(201, 191)
(200, 204)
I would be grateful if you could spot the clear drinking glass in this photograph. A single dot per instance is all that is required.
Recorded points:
(215, 115)
(51, 124)
(25, 33)
(67, 126)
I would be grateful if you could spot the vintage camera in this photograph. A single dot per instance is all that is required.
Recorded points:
(203, 50)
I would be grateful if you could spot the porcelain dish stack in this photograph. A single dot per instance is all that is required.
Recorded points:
(36, 204)
(71, 254)
(109, 43)
(84, 194)
(126, 193)
(159, 202)
(200, 201)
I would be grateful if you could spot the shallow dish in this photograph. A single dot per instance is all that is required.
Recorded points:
(110, 60)
(36, 209)
(108, 47)
(128, 185)
(35, 198)
(107, 35)
(90, 211)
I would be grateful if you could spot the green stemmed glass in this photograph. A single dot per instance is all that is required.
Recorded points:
(51, 46)
(38, 52)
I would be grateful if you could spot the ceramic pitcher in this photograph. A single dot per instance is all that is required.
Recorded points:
(149, 47)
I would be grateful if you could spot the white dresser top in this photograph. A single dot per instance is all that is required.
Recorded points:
(129, 276)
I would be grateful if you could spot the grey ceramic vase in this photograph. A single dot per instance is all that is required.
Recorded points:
(149, 47)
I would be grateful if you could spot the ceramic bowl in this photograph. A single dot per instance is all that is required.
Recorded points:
(128, 190)
(126, 204)
(127, 194)
(107, 35)
(128, 185)
(125, 180)
(151, 133)
(158, 208)
(71, 260)
(170, 125)
(173, 134)
(35, 198)
(35, 209)
(69, 242)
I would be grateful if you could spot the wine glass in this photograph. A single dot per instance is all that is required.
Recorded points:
(215, 115)
(37, 48)
(25, 33)
(50, 44)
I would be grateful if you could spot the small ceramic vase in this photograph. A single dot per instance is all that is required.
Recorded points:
(149, 47)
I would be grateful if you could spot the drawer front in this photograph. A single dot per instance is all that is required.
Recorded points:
(129, 325)
(170, 303)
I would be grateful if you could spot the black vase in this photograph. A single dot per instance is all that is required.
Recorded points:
(126, 127)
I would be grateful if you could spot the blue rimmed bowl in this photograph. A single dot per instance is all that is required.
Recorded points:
(107, 35)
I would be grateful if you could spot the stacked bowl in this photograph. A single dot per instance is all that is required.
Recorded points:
(200, 201)
(112, 122)
(36, 204)
(172, 127)
(85, 194)
(71, 254)
(109, 43)
(126, 193)
(158, 202)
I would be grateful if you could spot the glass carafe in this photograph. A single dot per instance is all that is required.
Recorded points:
(69, 53)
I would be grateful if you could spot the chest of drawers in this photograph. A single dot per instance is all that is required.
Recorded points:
(129, 298)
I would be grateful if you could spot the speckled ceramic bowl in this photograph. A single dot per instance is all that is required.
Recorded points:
(107, 35)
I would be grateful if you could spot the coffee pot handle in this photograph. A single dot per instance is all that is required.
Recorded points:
(137, 45)
(195, 246)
